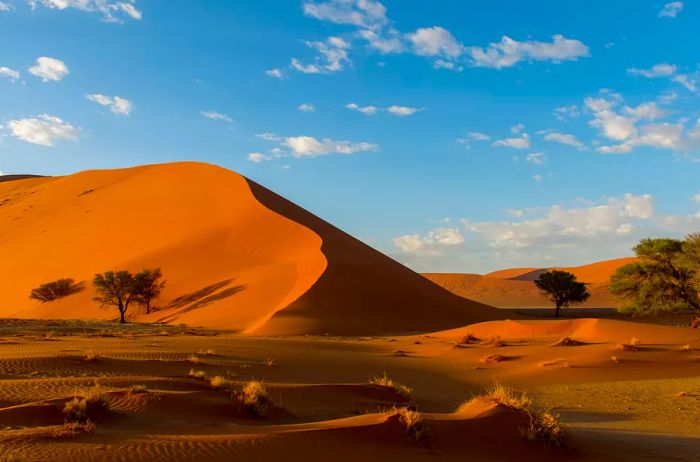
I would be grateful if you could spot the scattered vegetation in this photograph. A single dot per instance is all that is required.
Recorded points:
(562, 289)
(86, 406)
(492, 359)
(413, 423)
(665, 278)
(72, 429)
(385, 381)
(469, 339)
(56, 289)
(193, 359)
(219, 382)
(625, 347)
(505, 395)
(253, 398)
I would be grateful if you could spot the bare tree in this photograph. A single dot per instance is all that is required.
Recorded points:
(117, 289)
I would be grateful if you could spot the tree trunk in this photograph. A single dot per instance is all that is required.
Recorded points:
(556, 311)
(122, 312)
(148, 307)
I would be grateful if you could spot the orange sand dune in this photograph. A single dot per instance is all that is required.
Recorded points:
(235, 255)
(513, 288)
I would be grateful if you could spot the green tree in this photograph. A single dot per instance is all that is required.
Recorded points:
(666, 276)
(562, 289)
(149, 285)
(118, 289)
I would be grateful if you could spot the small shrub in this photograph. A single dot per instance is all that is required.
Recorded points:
(192, 359)
(615, 359)
(635, 341)
(625, 347)
(207, 352)
(400, 353)
(555, 362)
(90, 356)
(469, 338)
(385, 381)
(56, 289)
(138, 388)
(269, 362)
(90, 403)
(494, 342)
(253, 398)
(686, 347)
(196, 374)
(218, 382)
(566, 341)
(544, 427)
(413, 423)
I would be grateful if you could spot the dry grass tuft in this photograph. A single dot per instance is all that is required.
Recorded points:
(492, 359)
(90, 356)
(71, 430)
(253, 398)
(219, 382)
(413, 423)
(544, 427)
(86, 405)
(505, 395)
(207, 352)
(615, 359)
(494, 342)
(385, 381)
(566, 341)
(138, 388)
(686, 347)
(269, 362)
(469, 338)
(193, 359)
(634, 341)
(625, 347)
(555, 363)
(196, 374)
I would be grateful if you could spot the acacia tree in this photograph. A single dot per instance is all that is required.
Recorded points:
(118, 289)
(666, 276)
(562, 289)
(149, 285)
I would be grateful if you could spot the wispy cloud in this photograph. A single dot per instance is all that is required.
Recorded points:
(11, 74)
(116, 104)
(111, 11)
(213, 115)
(671, 10)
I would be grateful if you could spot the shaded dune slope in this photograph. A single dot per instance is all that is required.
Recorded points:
(232, 259)
(362, 290)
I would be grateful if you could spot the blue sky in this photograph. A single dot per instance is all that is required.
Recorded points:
(452, 135)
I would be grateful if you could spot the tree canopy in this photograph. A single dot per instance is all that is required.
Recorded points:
(666, 277)
(562, 289)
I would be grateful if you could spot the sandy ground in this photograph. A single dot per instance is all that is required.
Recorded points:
(617, 405)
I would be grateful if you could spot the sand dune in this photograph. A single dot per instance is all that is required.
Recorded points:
(513, 288)
(235, 255)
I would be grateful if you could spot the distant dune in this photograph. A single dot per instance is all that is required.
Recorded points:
(513, 288)
(235, 255)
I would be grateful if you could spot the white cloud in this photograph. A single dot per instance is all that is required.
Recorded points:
(657, 70)
(111, 11)
(435, 41)
(308, 146)
(696, 197)
(257, 157)
(690, 82)
(522, 142)
(509, 52)
(333, 53)
(390, 42)
(402, 111)
(443, 64)
(367, 14)
(275, 73)
(116, 104)
(564, 138)
(6, 6)
(213, 115)
(647, 111)
(537, 158)
(49, 69)
(44, 130)
(366, 110)
(517, 128)
(671, 10)
(430, 242)
(11, 74)
(567, 111)
(537, 178)
(478, 136)
(306, 107)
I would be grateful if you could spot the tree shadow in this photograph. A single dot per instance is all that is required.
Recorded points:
(201, 298)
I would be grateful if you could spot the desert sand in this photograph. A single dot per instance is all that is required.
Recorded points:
(341, 342)
(513, 288)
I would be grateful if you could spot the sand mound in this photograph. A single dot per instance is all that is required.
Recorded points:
(235, 255)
